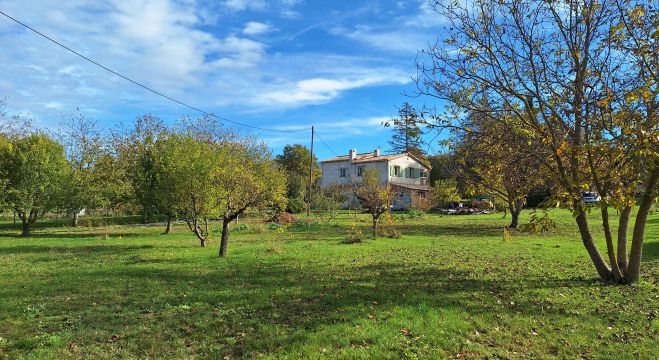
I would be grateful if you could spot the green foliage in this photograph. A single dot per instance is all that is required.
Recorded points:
(376, 198)
(329, 200)
(354, 235)
(445, 192)
(295, 161)
(35, 171)
(446, 167)
(538, 196)
(406, 131)
(296, 205)
(241, 228)
(388, 228)
(539, 224)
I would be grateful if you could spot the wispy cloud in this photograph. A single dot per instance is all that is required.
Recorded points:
(257, 28)
(319, 90)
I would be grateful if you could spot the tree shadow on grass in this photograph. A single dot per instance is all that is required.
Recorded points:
(461, 230)
(73, 250)
(651, 250)
(282, 295)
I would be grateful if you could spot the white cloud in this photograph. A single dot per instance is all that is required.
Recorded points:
(257, 28)
(399, 41)
(320, 90)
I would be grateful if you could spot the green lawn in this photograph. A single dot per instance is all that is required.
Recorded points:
(449, 288)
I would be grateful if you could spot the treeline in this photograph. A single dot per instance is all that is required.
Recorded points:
(193, 171)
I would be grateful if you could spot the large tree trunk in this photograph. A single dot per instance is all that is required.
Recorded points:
(224, 243)
(168, 229)
(515, 209)
(587, 237)
(26, 229)
(634, 268)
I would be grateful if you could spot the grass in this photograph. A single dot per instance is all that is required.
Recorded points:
(449, 288)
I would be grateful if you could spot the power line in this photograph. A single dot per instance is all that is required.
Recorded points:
(324, 143)
(142, 85)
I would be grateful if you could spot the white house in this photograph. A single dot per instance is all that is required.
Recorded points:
(407, 174)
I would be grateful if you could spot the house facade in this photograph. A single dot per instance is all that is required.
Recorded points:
(406, 173)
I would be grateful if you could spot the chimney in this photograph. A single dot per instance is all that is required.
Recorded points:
(352, 154)
(376, 153)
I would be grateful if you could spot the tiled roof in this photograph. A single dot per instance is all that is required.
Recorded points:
(367, 157)
(370, 157)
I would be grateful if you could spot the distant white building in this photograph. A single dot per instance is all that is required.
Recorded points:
(407, 174)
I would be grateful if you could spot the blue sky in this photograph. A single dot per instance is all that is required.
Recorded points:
(286, 64)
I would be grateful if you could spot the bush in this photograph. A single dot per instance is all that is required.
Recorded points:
(445, 192)
(388, 227)
(296, 205)
(241, 228)
(303, 225)
(538, 224)
(275, 227)
(421, 204)
(354, 235)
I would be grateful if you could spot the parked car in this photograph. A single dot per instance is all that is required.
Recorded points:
(590, 197)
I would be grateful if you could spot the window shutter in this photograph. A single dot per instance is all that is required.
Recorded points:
(391, 170)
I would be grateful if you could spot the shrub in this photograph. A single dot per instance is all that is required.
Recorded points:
(539, 224)
(507, 235)
(354, 235)
(421, 204)
(275, 227)
(296, 205)
(445, 192)
(303, 225)
(241, 228)
(388, 227)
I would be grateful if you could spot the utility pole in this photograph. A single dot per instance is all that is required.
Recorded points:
(309, 193)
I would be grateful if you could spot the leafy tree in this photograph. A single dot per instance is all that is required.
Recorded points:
(35, 171)
(136, 152)
(83, 147)
(406, 132)
(295, 160)
(559, 70)
(445, 192)
(249, 179)
(187, 171)
(375, 197)
(329, 200)
(496, 159)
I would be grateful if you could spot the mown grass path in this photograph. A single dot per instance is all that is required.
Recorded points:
(450, 288)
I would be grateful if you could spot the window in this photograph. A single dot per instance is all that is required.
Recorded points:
(424, 174)
(342, 172)
(360, 170)
(397, 170)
